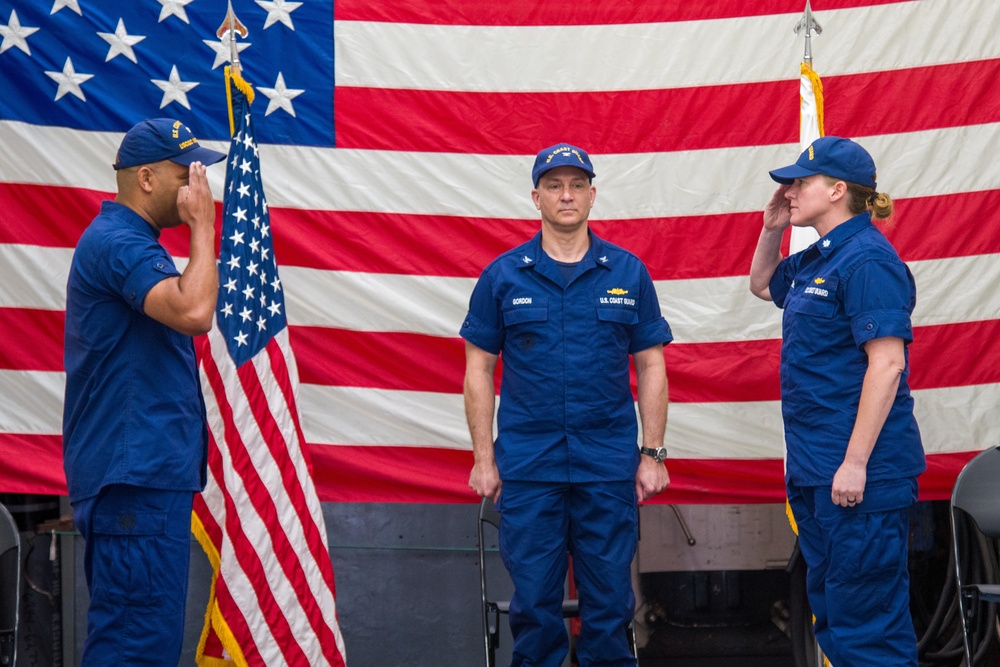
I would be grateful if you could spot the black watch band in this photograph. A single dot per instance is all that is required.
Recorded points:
(660, 453)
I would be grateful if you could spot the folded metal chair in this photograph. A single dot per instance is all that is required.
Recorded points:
(10, 586)
(975, 503)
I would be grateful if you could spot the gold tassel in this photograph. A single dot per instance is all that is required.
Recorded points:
(243, 87)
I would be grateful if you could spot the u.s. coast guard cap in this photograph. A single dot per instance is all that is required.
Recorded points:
(561, 155)
(158, 139)
(840, 158)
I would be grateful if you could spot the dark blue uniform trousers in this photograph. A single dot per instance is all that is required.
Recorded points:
(540, 524)
(136, 557)
(858, 583)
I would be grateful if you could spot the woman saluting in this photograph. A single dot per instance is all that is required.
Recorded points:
(853, 446)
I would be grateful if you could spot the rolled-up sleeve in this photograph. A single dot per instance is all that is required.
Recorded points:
(483, 324)
(652, 328)
(878, 299)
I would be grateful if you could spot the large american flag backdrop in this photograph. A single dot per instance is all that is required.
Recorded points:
(397, 138)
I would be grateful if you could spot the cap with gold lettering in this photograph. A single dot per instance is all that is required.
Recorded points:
(840, 158)
(561, 155)
(157, 139)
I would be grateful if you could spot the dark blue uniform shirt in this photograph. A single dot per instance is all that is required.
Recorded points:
(566, 408)
(134, 412)
(844, 290)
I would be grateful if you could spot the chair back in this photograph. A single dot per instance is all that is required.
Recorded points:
(977, 491)
(488, 514)
(10, 586)
(490, 612)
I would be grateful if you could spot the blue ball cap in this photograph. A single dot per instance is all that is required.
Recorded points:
(561, 155)
(832, 156)
(157, 139)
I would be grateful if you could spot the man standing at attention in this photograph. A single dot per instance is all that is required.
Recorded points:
(134, 430)
(566, 309)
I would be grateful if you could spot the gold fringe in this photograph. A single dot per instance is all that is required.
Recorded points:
(791, 517)
(213, 616)
(243, 86)
(228, 641)
(201, 535)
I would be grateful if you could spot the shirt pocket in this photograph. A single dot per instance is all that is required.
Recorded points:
(527, 315)
(614, 331)
(818, 298)
(617, 315)
(526, 328)
(813, 307)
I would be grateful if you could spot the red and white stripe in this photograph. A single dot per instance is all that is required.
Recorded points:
(274, 590)
(440, 108)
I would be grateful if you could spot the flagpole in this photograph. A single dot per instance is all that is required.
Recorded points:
(232, 26)
(234, 56)
(808, 24)
(810, 129)
(810, 112)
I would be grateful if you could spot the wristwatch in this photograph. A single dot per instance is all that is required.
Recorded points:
(660, 453)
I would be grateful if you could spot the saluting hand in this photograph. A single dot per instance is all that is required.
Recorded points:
(194, 200)
(778, 212)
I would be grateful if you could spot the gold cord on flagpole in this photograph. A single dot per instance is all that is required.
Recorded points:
(243, 86)
(817, 87)
(229, 100)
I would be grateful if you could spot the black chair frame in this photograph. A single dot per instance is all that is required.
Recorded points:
(975, 525)
(10, 586)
